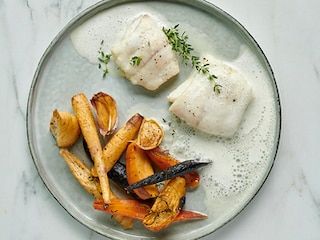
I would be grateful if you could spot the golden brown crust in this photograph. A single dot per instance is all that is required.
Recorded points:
(64, 128)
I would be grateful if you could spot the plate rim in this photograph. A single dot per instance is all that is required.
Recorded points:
(104, 5)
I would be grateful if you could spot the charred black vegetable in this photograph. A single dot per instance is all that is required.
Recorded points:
(182, 202)
(118, 175)
(174, 171)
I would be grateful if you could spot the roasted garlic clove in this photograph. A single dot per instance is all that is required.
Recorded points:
(150, 135)
(106, 113)
(65, 128)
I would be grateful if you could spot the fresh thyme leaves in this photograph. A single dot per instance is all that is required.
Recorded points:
(135, 61)
(179, 44)
(104, 59)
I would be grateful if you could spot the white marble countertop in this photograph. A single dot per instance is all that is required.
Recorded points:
(288, 205)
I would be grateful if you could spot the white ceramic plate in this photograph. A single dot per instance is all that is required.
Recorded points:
(240, 165)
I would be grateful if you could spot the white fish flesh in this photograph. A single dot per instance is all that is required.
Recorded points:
(195, 101)
(145, 39)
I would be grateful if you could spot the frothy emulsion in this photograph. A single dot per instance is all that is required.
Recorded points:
(107, 26)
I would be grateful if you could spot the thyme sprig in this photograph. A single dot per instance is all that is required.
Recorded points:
(135, 61)
(104, 59)
(179, 44)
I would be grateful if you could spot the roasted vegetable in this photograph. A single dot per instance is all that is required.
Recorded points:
(167, 205)
(177, 170)
(150, 135)
(125, 221)
(82, 110)
(163, 160)
(118, 143)
(106, 112)
(140, 139)
(65, 128)
(126, 207)
(139, 167)
(81, 173)
(138, 209)
(119, 175)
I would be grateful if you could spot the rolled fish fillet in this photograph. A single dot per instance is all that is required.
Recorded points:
(195, 101)
(144, 39)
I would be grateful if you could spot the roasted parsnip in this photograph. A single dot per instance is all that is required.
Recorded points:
(83, 112)
(81, 173)
(118, 143)
(90, 183)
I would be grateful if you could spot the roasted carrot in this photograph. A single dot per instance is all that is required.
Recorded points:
(138, 167)
(175, 171)
(87, 124)
(126, 207)
(138, 209)
(125, 221)
(189, 215)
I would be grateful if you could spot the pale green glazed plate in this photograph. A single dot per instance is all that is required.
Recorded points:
(240, 165)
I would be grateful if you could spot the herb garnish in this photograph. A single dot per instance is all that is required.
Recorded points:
(179, 44)
(104, 59)
(135, 61)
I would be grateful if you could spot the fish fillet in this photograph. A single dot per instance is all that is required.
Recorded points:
(144, 38)
(195, 102)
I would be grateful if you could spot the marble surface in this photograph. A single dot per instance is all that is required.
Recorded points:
(288, 205)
